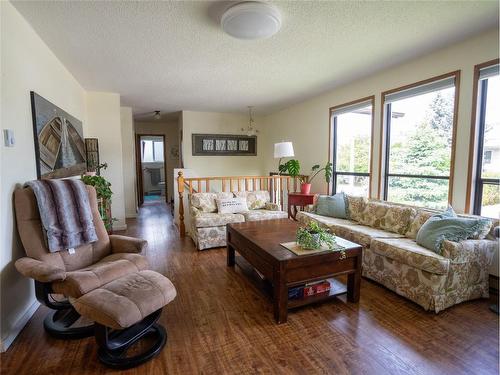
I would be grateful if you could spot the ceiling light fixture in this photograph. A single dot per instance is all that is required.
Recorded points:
(250, 129)
(251, 20)
(157, 115)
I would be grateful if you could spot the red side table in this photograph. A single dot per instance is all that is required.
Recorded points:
(301, 200)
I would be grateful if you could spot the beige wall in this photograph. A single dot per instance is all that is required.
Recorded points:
(220, 123)
(307, 124)
(104, 123)
(27, 64)
(171, 131)
(128, 159)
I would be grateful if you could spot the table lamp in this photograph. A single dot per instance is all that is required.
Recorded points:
(283, 150)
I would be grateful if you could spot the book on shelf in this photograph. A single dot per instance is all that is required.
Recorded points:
(309, 289)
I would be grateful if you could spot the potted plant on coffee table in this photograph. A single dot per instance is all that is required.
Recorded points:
(313, 237)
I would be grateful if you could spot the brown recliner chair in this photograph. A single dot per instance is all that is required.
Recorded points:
(72, 275)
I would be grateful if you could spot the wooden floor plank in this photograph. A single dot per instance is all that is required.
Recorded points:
(221, 323)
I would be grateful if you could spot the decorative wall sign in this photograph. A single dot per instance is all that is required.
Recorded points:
(59, 144)
(224, 144)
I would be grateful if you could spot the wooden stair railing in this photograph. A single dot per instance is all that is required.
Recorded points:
(276, 185)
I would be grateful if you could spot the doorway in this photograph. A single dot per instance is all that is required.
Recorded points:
(151, 168)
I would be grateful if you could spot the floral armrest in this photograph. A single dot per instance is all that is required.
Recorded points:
(194, 211)
(470, 250)
(272, 207)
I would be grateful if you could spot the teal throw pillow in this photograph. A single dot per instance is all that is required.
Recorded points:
(448, 226)
(332, 205)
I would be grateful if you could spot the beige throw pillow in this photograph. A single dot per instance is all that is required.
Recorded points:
(231, 205)
(397, 219)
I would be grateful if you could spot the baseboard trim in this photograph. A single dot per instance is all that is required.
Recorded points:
(18, 327)
(131, 216)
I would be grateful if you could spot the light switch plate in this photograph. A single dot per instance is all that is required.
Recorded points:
(8, 136)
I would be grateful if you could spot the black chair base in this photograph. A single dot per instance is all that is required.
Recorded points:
(58, 324)
(113, 344)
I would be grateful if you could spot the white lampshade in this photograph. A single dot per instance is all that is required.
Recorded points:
(283, 150)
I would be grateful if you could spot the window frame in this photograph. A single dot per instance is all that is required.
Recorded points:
(384, 145)
(332, 149)
(475, 182)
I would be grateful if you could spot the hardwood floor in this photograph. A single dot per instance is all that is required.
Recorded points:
(220, 323)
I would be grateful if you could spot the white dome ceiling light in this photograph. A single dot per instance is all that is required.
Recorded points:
(251, 20)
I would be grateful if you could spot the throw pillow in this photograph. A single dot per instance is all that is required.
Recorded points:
(205, 202)
(332, 205)
(231, 205)
(448, 226)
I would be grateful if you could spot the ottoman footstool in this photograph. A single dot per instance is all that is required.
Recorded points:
(124, 311)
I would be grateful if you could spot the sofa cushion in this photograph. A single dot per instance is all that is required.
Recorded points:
(255, 199)
(109, 268)
(361, 234)
(420, 218)
(215, 219)
(374, 213)
(355, 207)
(397, 219)
(332, 206)
(205, 202)
(407, 251)
(305, 217)
(256, 215)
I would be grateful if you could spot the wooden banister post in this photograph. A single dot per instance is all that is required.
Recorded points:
(180, 187)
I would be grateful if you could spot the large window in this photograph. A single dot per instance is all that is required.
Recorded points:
(351, 127)
(487, 181)
(419, 126)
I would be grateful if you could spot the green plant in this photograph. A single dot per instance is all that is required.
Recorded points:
(328, 168)
(292, 167)
(101, 185)
(104, 192)
(312, 236)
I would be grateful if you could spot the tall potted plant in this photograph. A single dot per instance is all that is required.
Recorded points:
(104, 194)
(292, 167)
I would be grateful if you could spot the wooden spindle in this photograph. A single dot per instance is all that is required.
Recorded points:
(190, 184)
(246, 184)
(180, 188)
(207, 185)
(239, 184)
(223, 182)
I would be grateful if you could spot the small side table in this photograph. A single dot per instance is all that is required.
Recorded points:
(301, 200)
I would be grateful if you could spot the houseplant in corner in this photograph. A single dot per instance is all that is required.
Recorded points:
(104, 194)
(292, 167)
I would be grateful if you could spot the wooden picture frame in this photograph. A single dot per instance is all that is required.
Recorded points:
(224, 145)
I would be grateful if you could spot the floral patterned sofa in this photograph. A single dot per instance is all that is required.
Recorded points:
(208, 227)
(391, 257)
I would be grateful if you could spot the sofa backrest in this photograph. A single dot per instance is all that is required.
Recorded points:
(255, 199)
(206, 202)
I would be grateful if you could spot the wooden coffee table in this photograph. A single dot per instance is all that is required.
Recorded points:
(258, 242)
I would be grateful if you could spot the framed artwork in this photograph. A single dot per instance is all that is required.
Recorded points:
(59, 142)
(224, 144)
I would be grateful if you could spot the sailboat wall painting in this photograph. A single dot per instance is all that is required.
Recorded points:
(59, 144)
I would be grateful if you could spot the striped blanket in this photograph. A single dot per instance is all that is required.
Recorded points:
(65, 213)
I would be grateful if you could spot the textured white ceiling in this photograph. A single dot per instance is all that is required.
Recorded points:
(173, 55)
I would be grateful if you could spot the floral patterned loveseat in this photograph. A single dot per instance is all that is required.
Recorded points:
(208, 227)
(391, 257)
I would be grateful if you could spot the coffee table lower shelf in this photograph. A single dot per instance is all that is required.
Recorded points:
(337, 288)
